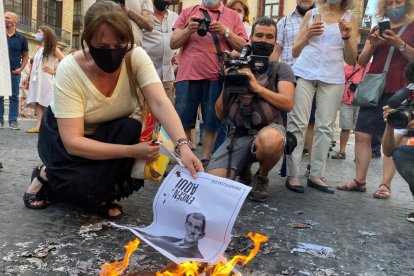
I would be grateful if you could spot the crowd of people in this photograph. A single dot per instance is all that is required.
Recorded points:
(132, 52)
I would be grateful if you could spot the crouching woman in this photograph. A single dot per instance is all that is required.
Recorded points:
(87, 141)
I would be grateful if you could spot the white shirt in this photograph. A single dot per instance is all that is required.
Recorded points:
(5, 79)
(137, 6)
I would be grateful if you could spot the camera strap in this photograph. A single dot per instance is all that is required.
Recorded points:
(220, 54)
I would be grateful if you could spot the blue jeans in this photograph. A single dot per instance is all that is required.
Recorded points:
(404, 161)
(14, 101)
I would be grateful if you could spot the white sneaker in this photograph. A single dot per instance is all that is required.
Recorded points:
(410, 217)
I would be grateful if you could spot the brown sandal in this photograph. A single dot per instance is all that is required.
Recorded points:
(360, 186)
(383, 194)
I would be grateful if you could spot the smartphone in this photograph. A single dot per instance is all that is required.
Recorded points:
(317, 18)
(383, 25)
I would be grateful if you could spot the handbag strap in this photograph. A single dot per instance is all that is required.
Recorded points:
(133, 82)
(220, 54)
(392, 49)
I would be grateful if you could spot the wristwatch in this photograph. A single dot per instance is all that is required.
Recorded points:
(402, 47)
(226, 32)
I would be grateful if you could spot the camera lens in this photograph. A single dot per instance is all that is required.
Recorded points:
(202, 29)
(398, 119)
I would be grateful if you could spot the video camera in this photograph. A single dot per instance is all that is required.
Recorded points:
(204, 25)
(236, 82)
(401, 102)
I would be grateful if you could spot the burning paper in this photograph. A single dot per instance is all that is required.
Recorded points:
(193, 218)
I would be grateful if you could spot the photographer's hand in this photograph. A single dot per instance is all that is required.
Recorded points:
(192, 25)
(218, 27)
(386, 111)
(254, 85)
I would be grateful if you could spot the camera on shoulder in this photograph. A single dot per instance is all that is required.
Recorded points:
(236, 82)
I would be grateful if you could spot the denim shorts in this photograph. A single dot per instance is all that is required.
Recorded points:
(190, 94)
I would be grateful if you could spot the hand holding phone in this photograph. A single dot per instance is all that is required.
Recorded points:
(317, 18)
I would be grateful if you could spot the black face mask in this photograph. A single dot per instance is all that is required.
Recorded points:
(261, 48)
(160, 5)
(302, 11)
(108, 60)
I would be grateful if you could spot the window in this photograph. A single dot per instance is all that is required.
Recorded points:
(272, 8)
(20, 7)
(176, 6)
(77, 14)
(50, 12)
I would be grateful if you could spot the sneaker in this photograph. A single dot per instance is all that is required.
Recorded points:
(410, 217)
(33, 130)
(1, 125)
(376, 154)
(14, 126)
(260, 188)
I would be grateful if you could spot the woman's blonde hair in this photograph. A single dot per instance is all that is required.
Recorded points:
(110, 13)
(382, 6)
(345, 4)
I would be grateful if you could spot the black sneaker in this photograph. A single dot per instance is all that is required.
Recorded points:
(410, 217)
(376, 154)
(260, 188)
(14, 126)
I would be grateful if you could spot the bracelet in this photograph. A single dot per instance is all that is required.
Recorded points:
(346, 37)
(180, 142)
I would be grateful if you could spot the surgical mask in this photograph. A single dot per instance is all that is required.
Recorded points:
(333, 1)
(261, 48)
(210, 3)
(108, 60)
(39, 37)
(396, 14)
(303, 11)
(160, 5)
(8, 23)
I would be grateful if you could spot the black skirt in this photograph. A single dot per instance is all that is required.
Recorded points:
(85, 182)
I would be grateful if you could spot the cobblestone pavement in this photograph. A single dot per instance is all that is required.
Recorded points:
(368, 236)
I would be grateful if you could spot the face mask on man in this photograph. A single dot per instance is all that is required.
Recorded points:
(160, 5)
(396, 14)
(8, 23)
(39, 37)
(261, 48)
(210, 3)
(108, 60)
(303, 11)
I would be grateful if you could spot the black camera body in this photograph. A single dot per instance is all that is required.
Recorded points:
(120, 2)
(353, 86)
(204, 25)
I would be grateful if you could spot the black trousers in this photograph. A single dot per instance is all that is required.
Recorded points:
(85, 182)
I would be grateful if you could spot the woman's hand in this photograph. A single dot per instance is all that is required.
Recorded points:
(49, 70)
(147, 151)
(345, 28)
(190, 161)
(376, 39)
(315, 29)
(392, 38)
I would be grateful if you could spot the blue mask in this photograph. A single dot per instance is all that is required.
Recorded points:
(396, 14)
(333, 1)
(210, 3)
(39, 37)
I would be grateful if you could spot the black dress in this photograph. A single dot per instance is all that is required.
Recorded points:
(86, 182)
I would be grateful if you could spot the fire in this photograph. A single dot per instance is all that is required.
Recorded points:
(117, 268)
(222, 268)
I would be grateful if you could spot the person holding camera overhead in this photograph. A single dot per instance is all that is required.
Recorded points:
(252, 103)
(370, 120)
(87, 141)
(327, 38)
(203, 32)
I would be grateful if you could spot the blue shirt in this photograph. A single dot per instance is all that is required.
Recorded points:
(17, 46)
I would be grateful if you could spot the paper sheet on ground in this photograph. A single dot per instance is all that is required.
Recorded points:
(180, 196)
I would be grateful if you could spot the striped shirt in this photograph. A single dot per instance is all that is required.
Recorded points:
(287, 29)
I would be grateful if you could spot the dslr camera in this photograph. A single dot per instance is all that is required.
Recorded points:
(236, 82)
(204, 25)
(120, 2)
(402, 102)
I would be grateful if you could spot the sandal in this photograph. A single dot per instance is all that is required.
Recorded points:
(103, 210)
(339, 155)
(383, 194)
(41, 195)
(359, 187)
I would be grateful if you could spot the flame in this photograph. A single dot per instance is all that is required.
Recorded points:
(222, 268)
(117, 268)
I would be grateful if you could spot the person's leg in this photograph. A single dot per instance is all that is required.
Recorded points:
(298, 120)
(403, 157)
(210, 92)
(328, 98)
(310, 131)
(376, 147)
(14, 101)
(1, 112)
(346, 123)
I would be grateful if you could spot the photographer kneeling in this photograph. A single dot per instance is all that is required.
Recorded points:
(255, 91)
(398, 117)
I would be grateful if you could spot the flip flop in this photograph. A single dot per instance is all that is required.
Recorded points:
(360, 186)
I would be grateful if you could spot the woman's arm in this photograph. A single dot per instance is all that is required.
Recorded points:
(59, 54)
(349, 32)
(305, 33)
